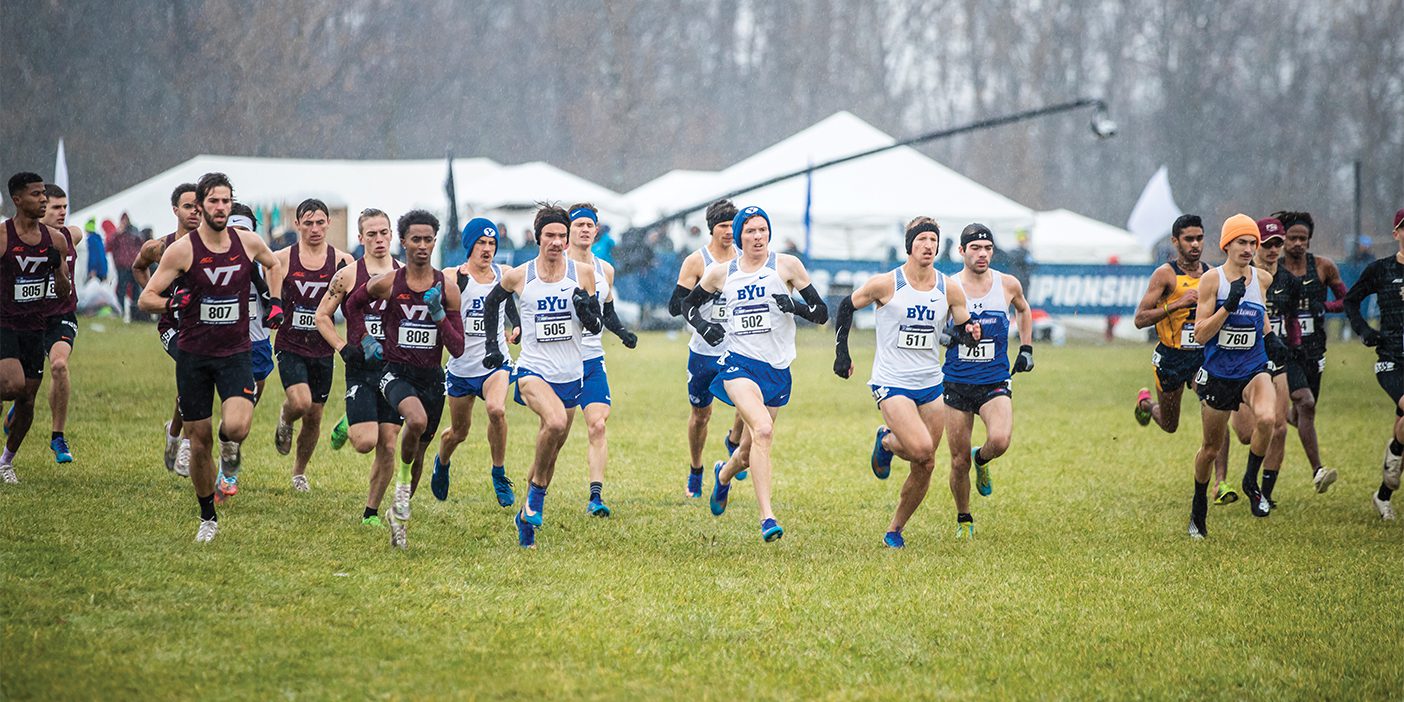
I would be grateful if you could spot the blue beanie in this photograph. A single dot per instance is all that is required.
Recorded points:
(478, 228)
(740, 220)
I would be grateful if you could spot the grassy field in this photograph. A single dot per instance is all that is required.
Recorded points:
(1081, 583)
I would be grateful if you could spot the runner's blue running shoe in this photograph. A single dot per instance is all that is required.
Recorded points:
(882, 458)
(502, 487)
(535, 502)
(770, 531)
(719, 491)
(983, 484)
(694, 484)
(597, 508)
(439, 481)
(526, 533)
(893, 539)
(60, 448)
(726, 438)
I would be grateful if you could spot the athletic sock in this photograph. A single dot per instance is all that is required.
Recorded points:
(536, 497)
(963, 517)
(1384, 493)
(222, 435)
(370, 512)
(1250, 474)
(979, 461)
(595, 489)
(207, 511)
(696, 470)
(1395, 448)
(7, 456)
(1200, 506)
(55, 435)
(1269, 481)
(498, 472)
(405, 473)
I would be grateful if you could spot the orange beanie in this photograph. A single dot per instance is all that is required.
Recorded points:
(1237, 226)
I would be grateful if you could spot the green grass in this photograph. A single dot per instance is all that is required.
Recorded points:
(1081, 583)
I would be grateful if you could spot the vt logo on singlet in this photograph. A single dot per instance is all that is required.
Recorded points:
(30, 264)
(221, 275)
(921, 313)
(417, 312)
(750, 292)
(310, 288)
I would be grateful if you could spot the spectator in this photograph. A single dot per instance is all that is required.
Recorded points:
(505, 242)
(1363, 255)
(124, 244)
(635, 255)
(604, 245)
(1019, 262)
(97, 253)
(694, 240)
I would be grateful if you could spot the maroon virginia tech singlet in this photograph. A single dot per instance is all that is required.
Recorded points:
(411, 337)
(168, 320)
(302, 292)
(369, 320)
(70, 304)
(24, 277)
(217, 321)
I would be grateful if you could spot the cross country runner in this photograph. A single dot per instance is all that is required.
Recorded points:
(216, 265)
(755, 377)
(421, 319)
(1231, 322)
(1169, 304)
(62, 328)
(187, 214)
(1384, 278)
(595, 398)
(703, 359)
(467, 377)
(306, 363)
(370, 422)
(978, 375)
(558, 306)
(913, 302)
(31, 260)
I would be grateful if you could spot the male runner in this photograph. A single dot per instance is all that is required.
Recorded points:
(31, 260)
(556, 300)
(421, 319)
(370, 422)
(216, 266)
(594, 386)
(1317, 273)
(62, 328)
(1231, 322)
(978, 375)
(913, 304)
(467, 378)
(1384, 278)
(1169, 304)
(305, 360)
(755, 377)
(703, 359)
(187, 214)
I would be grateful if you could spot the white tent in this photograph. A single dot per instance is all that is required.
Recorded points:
(859, 208)
(482, 185)
(1063, 236)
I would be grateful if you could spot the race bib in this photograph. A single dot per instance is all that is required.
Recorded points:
(374, 327)
(554, 326)
(473, 325)
(418, 337)
(304, 319)
(983, 352)
(1307, 323)
(1187, 340)
(1237, 339)
(30, 289)
(219, 310)
(1279, 327)
(751, 319)
(917, 337)
(719, 310)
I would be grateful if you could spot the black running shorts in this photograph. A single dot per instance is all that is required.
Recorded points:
(27, 347)
(364, 403)
(1175, 368)
(401, 381)
(60, 327)
(964, 397)
(316, 373)
(1222, 393)
(199, 377)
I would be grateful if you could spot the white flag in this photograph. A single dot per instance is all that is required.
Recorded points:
(61, 170)
(1155, 211)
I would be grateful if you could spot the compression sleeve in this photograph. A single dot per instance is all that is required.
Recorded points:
(1355, 297)
(691, 308)
(453, 339)
(1338, 304)
(814, 309)
(491, 312)
(611, 320)
(842, 323)
(675, 302)
(514, 317)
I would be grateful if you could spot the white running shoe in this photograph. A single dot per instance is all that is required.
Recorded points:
(229, 457)
(1323, 479)
(300, 483)
(172, 446)
(399, 534)
(1391, 469)
(1385, 509)
(208, 529)
(7, 474)
(182, 464)
(401, 509)
(282, 436)
(1194, 532)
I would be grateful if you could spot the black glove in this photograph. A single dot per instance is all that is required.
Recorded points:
(843, 363)
(274, 317)
(494, 359)
(961, 335)
(180, 299)
(54, 257)
(1024, 362)
(1277, 351)
(1237, 289)
(351, 355)
(587, 308)
(1370, 338)
(784, 302)
(712, 333)
(628, 338)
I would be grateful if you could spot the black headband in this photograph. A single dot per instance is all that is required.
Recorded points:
(976, 232)
(918, 229)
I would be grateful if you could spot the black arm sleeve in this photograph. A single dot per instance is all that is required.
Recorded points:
(491, 314)
(611, 320)
(261, 285)
(691, 308)
(842, 323)
(675, 303)
(514, 317)
(814, 308)
(1363, 288)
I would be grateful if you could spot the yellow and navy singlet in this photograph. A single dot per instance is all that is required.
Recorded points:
(1177, 330)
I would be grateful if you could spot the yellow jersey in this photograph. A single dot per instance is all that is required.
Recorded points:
(1177, 330)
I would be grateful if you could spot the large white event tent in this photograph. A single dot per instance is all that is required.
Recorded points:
(506, 194)
(1063, 236)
